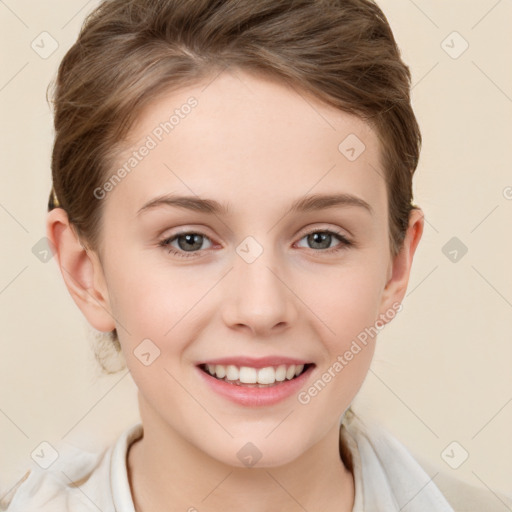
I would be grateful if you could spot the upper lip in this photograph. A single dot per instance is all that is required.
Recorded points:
(256, 362)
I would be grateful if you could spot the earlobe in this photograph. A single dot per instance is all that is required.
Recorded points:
(81, 270)
(400, 268)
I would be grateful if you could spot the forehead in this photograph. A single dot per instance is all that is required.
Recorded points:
(243, 139)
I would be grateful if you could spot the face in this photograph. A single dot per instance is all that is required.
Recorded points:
(237, 276)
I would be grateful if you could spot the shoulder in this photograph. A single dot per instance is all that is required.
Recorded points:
(387, 464)
(77, 481)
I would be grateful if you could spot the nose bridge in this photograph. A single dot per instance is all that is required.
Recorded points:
(258, 297)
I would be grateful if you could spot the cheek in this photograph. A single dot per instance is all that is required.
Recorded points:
(347, 299)
(158, 303)
(149, 303)
(347, 306)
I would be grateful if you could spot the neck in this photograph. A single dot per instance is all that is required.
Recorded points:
(166, 472)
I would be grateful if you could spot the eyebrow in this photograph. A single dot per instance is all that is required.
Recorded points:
(306, 204)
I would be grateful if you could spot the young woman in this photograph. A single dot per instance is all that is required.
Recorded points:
(232, 203)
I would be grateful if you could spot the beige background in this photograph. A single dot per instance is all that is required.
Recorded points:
(443, 368)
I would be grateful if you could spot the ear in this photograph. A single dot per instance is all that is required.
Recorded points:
(400, 266)
(82, 271)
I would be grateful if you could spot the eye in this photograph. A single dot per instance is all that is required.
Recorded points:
(188, 242)
(322, 238)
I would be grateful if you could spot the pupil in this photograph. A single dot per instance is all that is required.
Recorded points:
(190, 241)
(318, 238)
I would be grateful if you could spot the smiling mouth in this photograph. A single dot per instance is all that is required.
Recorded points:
(255, 377)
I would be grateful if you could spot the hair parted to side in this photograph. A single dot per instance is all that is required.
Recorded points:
(129, 52)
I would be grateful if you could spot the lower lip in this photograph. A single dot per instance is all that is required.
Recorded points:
(254, 396)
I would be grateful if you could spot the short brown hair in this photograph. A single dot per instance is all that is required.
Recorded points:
(130, 51)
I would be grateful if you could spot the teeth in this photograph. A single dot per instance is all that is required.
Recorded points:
(247, 375)
(281, 373)
(220, 371)
(232, 372)
(266, 375)
(290, 372)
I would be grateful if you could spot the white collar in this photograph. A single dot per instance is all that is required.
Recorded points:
(386, 476)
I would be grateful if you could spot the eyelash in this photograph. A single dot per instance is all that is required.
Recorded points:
(345, 243)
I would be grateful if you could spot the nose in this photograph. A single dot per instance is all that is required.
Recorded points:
(259, 297)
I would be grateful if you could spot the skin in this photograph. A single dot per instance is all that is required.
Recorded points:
(258, 145)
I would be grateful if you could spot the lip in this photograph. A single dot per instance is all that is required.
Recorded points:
(254, 396)
(255, 362)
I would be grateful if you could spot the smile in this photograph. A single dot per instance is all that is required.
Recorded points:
(255, 377)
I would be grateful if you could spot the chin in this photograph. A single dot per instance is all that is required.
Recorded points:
(257, 454)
